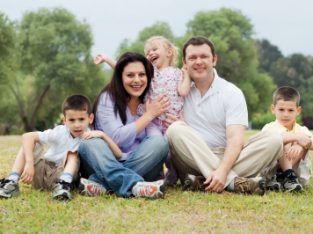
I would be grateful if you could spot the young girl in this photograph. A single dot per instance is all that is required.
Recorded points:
(168, 80)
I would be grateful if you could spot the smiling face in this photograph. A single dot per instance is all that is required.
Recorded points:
(134, 79)
(199, 62)
(77, 121)
(286, 112)
(158, 54)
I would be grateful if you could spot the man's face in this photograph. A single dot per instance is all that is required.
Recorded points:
(77, 121)
(286, 112)
(199, 62)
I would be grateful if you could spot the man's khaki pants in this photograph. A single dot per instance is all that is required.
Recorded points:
(191, 155)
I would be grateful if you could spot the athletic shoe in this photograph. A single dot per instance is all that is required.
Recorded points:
(62, 190)
(8, 188)
(273, 185)
(149, 189)
(291, 183)
(249, 185)
(194, 183)
(90, 188)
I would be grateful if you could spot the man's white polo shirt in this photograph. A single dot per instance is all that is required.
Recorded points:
(222, 105)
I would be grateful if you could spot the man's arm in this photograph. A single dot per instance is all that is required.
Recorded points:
(235, 143)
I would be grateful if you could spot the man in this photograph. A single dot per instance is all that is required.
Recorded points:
(210, 140)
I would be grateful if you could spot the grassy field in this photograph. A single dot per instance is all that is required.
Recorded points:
(180, 212)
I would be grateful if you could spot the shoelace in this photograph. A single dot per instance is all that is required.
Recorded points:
(64, 184)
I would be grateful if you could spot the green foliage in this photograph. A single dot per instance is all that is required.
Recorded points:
(306, 100)
(52, 61)
(260, 119)
(268, 54)
(293, 70)
(7, 40)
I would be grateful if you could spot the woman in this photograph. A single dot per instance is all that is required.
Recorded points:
(115, 112)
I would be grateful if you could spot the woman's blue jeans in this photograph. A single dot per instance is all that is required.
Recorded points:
(99, 163)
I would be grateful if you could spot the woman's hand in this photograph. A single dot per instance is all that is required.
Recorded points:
(158, 107)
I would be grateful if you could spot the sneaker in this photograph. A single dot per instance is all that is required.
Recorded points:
(90, 188)
(194, 183)
(273, 185)
(8, 188)
(291, 183)
(62, 190)
(149, 189)
(249, 185)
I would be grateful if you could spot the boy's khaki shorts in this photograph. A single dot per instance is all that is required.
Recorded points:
(47, 172)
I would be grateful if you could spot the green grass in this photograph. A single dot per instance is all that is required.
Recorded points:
(180, 212)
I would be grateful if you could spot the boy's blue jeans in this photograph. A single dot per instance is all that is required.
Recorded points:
(101, 166)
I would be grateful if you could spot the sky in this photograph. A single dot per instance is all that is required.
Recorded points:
(285, 23)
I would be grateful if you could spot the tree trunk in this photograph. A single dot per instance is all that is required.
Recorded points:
(22, 114)
(38, 105)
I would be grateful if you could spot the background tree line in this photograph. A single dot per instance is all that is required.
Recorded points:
(46, 57)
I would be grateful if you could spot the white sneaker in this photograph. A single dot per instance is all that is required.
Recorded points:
(149, 189)
(90, 188)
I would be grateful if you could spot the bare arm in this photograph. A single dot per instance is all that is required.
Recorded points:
(102, 58)
(302, 139)
(29, 141)
(99, 134)
(235, 142)
(184, 84)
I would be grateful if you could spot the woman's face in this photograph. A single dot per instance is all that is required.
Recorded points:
(134, 79)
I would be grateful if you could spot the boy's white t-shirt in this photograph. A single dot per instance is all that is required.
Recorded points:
(59, 141)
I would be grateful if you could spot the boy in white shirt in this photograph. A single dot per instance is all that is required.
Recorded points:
(294, 167)
(57, 168)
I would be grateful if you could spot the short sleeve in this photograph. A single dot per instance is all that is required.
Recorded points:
(235, 107)
(52, 136)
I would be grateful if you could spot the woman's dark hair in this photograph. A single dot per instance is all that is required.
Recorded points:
(116, 88)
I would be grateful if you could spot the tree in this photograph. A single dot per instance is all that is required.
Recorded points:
(268, 54)
(157, 29)
(52, 60)
(7, 43)
(293, 70)
(237, 56)
(7, 40)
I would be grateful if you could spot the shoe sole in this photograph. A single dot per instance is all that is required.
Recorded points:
(274, 188)
(63, 196)
(5, 195)
(297, 189)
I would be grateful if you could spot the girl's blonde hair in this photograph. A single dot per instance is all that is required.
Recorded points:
(168, 45)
